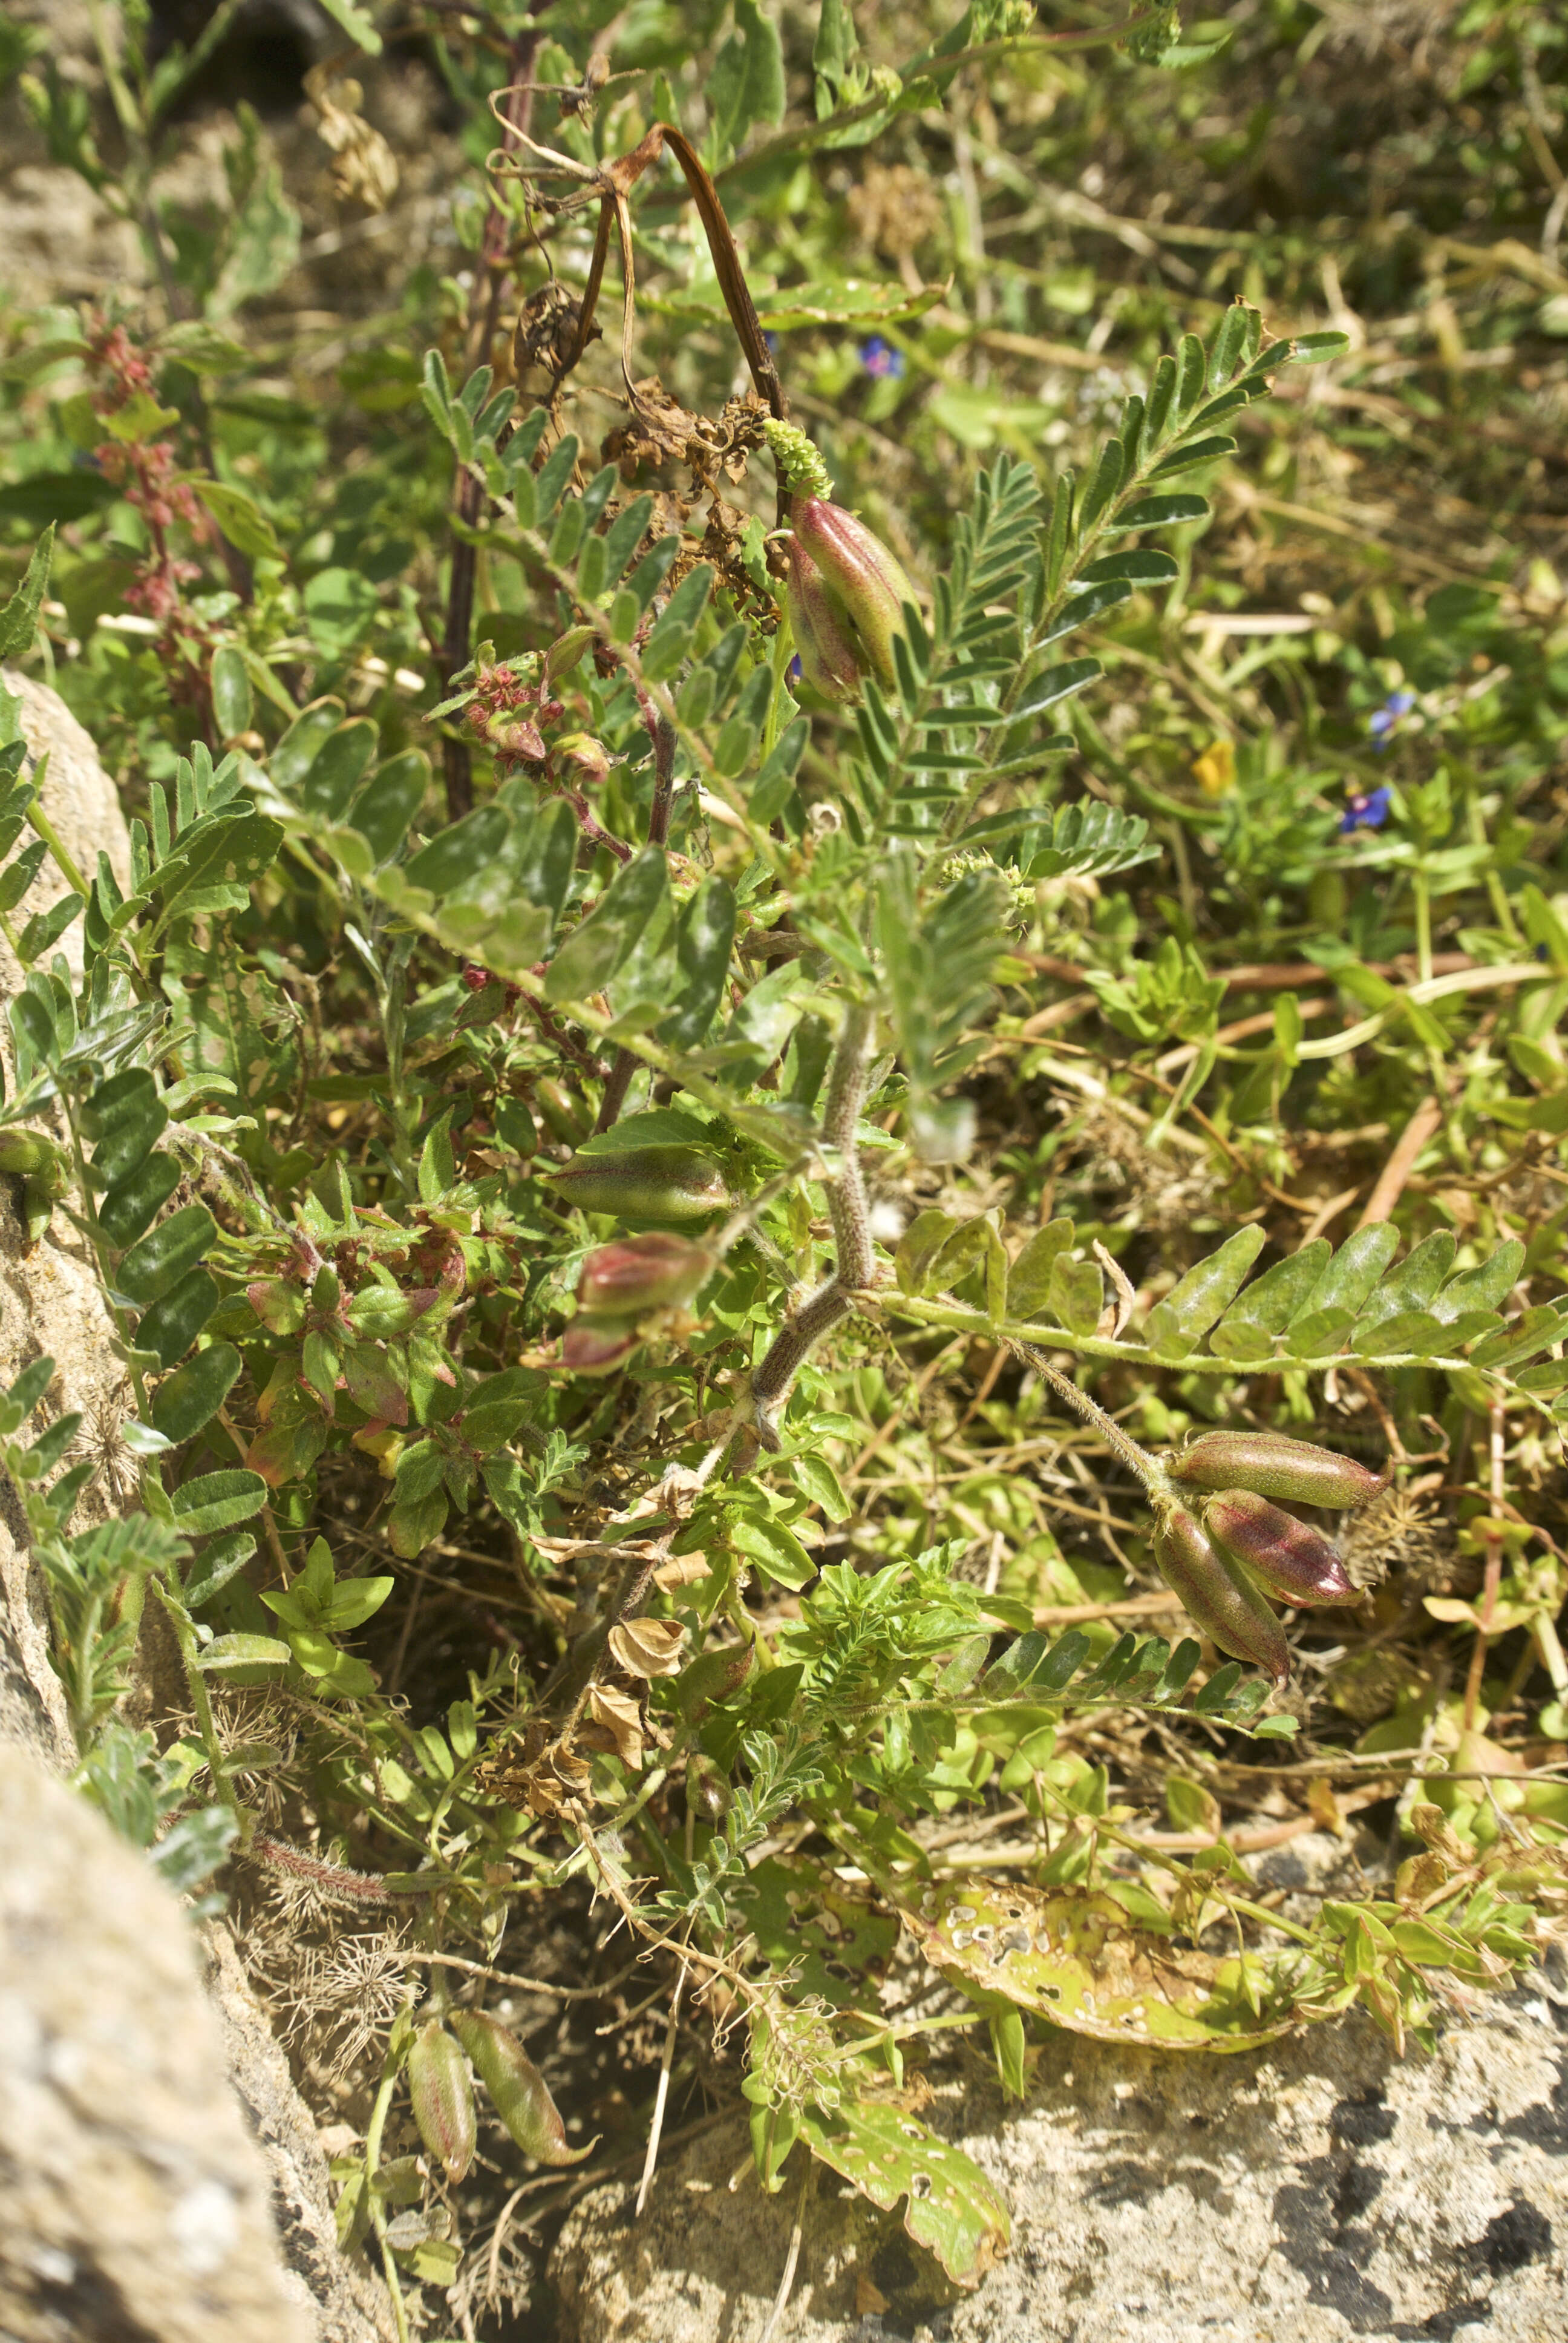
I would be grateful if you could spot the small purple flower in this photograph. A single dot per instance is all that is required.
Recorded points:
(1366, 811)
(880, 358)
(1384, 720)
(795, 668)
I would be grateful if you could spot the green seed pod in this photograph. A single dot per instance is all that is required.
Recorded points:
(656, 1271)
(706, 1791)
(827, 653)
(1228, 1609)
(864, 581)
(711, 1679)
(597, 1346)
(560, 1111)
(443, 2097)
(1289, 1559)
(40, 1192)
(645, 1183)
(521, 2094)
(27, 1151)
(1291, 1471)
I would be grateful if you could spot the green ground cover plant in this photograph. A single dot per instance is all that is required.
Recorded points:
(846, 883)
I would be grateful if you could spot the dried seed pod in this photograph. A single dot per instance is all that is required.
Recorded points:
(645, 1183)
(521, 2094)
(443, 2095)
(656, 1271)
(1228, 1608)
(1292, 1471)
(865, 582)
(1289, 1559)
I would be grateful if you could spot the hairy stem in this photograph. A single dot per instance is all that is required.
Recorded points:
(1136, 1458)
(854, 1265)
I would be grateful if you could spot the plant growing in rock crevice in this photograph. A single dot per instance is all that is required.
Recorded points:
(561, 1204)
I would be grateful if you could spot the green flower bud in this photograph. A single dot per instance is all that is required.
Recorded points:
(1291, 1561)
(521, 2094)
(443, 2099)
(597, 1346)
(865, 584)
(1292, 1471)
(653, 1271)
(645, 1183)
(1229, 1610)
(828, 658)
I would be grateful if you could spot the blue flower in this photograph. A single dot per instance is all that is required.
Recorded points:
(880, 358)
(795, 668)
(1368, 811)
(1384, 720)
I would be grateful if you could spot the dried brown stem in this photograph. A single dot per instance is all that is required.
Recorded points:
(516, 111)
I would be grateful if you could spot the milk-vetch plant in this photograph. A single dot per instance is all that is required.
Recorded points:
(695, 1295)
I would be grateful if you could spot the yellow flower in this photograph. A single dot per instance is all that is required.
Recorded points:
(1215, 771)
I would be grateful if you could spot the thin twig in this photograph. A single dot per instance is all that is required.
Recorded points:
(522, 1984)
(518, 112)
(781, 2300)
(661, 2095)
(1402, 1159)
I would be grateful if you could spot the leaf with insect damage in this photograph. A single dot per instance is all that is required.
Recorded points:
(953, 2209)
(1072, 1955)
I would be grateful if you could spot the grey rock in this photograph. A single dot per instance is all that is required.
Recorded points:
(1319, 2191)
(81, 801)
(132, 2203)
(349, 2307)
(121, 2142)
(49, 1297)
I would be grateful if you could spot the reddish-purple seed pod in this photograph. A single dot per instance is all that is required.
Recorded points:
(1289, 1559)
(1291, 1471)
(1228, 1609)
(863, 579)
(656, 1270)
(822, 636)
(597, 1346)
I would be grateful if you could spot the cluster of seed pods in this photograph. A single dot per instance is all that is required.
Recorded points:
(442, 2090)
(1230, 1547)
(627, 1284)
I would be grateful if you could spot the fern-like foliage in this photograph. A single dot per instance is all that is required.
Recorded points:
(1315, 1308)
